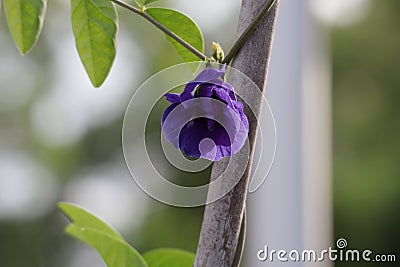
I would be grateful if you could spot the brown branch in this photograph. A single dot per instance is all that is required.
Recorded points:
(223, 218)
(241, 40)
(161, 27)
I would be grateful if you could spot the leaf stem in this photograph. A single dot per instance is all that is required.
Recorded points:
(247, 32)
(161, 27)
(242, 237)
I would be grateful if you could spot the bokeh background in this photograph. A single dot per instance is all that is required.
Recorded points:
(60, 139)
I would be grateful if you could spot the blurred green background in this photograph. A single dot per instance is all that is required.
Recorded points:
(60, 139)
(366, 130)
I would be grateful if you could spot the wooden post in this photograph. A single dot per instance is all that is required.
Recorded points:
(223, 218)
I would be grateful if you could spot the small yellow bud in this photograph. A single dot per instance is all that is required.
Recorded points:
(217, 52)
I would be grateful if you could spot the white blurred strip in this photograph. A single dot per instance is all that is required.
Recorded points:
(340, 12)
(292, 209)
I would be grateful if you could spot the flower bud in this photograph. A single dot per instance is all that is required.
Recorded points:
(217, 52)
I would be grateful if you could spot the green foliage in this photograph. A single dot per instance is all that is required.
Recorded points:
(25, 20)
(181, 25)
(94, 24)
(85, 219)
(168, 257)
(114, 250)
(366, 130)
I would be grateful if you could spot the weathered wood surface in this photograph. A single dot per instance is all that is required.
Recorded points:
(222, 218)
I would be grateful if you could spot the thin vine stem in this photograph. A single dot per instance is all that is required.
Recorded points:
(161, 27)
(232, 52)
(247, 32)
(242, 237)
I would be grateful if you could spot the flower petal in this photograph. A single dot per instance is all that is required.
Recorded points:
(204, 90)
(185, 96)
(174, 119)
(190, 137)
(222, 95)
(173, 98)
(206, 75)
(167, 111)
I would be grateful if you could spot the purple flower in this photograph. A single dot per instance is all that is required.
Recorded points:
(206, 120)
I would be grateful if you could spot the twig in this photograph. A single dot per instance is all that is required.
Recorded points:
(161, 27)
(246, 34)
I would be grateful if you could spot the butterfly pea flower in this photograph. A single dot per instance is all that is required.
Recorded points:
(206, 120)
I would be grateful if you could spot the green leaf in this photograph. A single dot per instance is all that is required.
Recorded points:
(168, 257)
(94, 24)
(25, 20)
(85, 219)
(181, 25)
(115, 252)
(142, 3)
